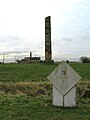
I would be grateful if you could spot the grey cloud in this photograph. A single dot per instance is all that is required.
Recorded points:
(8, 38)
(67, 39)
(13, 52)
(13, 44)
(40, 47)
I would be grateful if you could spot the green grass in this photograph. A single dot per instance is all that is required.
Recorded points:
(36, 72)
(27, 101)
(83, 70)
(24, 72)
(41, 108)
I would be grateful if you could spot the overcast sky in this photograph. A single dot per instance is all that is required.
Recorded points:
(22, 28)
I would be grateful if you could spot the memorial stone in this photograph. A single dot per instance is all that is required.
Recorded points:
(64, 80)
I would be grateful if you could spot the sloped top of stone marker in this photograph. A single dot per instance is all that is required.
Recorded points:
(64, 78)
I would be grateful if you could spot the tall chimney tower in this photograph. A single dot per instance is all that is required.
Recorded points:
(48, 49)
(30, 57)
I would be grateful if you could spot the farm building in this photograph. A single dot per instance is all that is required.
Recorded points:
(29, 60)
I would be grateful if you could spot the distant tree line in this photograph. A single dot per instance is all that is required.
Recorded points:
(85, 59)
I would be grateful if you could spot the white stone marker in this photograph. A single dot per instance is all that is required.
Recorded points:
(64, 80)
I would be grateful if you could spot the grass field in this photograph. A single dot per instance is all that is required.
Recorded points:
(36, 72)
(40, 108)
(24, 72)
(25, 93)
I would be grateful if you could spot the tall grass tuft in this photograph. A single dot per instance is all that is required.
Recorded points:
(40, 88)
(26, 88)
